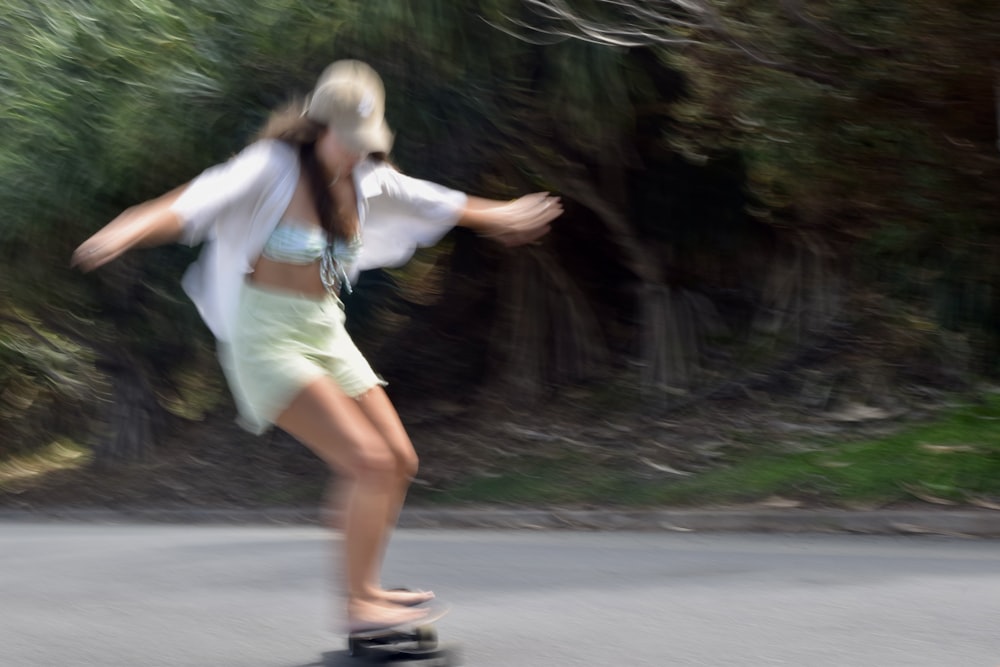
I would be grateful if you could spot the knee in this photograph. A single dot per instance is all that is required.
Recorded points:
(377, 459)
(374, 459)
(409, 465)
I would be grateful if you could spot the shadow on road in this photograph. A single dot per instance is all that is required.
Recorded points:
(343, 659)
(331, 659)
(338, 659)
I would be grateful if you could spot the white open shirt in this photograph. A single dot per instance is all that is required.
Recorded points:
(233, 207)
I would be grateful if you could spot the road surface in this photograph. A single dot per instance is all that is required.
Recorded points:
(90, 595)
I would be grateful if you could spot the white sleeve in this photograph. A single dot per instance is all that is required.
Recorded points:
(404, 213)
(221, 186)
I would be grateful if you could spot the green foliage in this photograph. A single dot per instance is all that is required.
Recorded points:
(90, 124)
(899, 150)
(954, 459)
(43, 380)
(106, 104)
(17, 472)
(870, 137)
(868, 130)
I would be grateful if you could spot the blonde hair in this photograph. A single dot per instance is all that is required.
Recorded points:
(290, 124)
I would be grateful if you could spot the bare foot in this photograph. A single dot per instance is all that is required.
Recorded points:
(405, 598)
(362, 616)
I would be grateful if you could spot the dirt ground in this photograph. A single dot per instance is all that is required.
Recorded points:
(214, 464)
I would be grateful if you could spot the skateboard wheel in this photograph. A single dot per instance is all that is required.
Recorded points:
(426, 637)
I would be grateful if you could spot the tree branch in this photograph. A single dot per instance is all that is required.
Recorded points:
(832, 40)
(645, 25)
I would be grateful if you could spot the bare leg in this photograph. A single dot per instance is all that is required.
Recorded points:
(380, 412)
(335, 428)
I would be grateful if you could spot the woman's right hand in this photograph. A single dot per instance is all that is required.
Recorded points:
(150, 223)
(107, 244)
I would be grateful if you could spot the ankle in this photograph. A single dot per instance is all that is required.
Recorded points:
(363, 596)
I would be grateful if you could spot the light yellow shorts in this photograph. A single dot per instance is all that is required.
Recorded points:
(282, 342)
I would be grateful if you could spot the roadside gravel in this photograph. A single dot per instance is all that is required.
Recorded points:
(951, 522)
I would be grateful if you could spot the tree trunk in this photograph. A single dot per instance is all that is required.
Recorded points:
(133, 413)
(669, 326)
(547, 333)
(802, 292)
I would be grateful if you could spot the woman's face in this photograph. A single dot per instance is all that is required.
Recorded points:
(337, 158)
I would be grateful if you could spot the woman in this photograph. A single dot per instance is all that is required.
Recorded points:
(287, 224)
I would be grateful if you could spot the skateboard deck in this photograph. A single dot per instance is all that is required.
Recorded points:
(435, 611)
(410, 642)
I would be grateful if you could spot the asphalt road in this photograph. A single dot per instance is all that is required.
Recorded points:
(87, 595)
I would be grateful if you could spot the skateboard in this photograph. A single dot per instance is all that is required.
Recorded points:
(417, 641)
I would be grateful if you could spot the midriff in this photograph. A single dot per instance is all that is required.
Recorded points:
(298, 278)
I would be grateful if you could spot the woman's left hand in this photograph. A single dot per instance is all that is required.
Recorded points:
(517, 222)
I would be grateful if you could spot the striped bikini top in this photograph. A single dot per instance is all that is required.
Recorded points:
(301, 243)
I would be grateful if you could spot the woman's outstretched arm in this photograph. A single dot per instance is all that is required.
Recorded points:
(516, 222)
(148, 224)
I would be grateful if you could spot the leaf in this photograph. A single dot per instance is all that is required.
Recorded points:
(779, 502)
(660, 467)
(926, 497)
(948, 449)
(984, 502)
